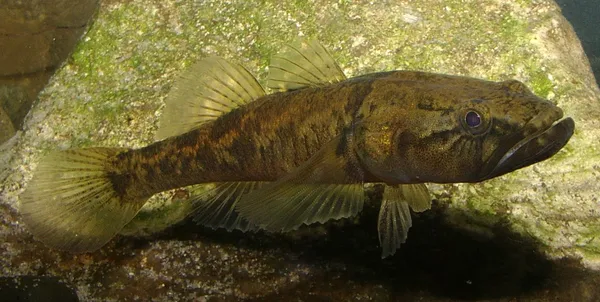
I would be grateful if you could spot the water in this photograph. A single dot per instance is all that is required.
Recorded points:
(584, 15)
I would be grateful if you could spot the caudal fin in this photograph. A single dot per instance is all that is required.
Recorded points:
(70, 203)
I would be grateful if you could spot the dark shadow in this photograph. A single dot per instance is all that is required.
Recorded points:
(35, 289)
(438, 258)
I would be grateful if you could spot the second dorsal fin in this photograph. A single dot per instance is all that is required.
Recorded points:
(209, 89)
(304, 63)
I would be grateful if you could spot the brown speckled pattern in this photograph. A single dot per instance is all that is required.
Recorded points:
(261, 141)
(408, 128)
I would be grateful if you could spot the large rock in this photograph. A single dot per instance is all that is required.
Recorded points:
(488, 240)
(35, 38)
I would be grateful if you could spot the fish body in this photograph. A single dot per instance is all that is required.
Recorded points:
(272, 135)
(300, 155)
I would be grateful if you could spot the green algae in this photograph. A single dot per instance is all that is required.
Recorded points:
(540, 83)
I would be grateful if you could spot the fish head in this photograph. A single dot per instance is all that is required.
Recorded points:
(519, 138)
(455, 129)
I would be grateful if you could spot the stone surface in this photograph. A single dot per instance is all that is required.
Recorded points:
(35, 38)
(524, 235)
(38, 35)
(7, 129)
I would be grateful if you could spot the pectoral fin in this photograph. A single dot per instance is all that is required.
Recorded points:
(304, 63)
(393, 224)
(327, 186)
(394, 215)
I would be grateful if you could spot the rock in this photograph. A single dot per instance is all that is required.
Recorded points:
(38, 35)
(35, 38)
(500, 239)
(7, 130)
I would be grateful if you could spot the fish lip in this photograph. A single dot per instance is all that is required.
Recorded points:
(546, 141)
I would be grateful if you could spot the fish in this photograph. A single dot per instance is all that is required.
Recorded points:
(299, 155)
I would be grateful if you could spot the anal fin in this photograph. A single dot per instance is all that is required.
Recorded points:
(327, 186)
(215, 208)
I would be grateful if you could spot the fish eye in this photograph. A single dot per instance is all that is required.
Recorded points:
(473, 119)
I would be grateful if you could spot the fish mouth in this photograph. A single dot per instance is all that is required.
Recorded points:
(542, 139)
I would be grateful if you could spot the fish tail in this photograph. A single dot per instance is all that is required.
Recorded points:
(71, 202)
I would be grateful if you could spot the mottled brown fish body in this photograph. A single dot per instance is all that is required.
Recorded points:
(269, 137)
(300, 156)
(258, 142)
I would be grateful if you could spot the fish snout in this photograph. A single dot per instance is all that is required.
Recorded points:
(548, 115)
(541, 138)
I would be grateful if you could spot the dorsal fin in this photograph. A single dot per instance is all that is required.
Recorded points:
(304, 63)
(210, 88)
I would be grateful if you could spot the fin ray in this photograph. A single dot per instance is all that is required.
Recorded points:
(215, 208)
(327, 186)
(70, 203)
(393, 222)
(417, 196)
(209, 89)
(303, 63)
(394, 216)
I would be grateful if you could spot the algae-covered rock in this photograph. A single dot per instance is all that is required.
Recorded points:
(487, 240)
